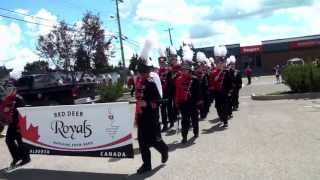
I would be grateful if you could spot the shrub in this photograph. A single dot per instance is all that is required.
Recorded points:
(302, 78)
(110, 93)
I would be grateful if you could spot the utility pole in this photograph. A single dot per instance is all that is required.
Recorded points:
(120, 33)
(169, 30)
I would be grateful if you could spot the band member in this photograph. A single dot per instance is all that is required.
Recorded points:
(130, 83)
(201, 72)
(237, 84)
(147, 114)
(9, 113)
(188, 97)
(221, 85)
(173, 74)
(166, 106)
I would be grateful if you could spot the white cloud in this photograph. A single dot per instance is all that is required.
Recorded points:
(220, 32)
(305, 18)
(145, 23)
(128, 8)
(251, 40)
(230, 9)
(176, 12)
(22, 57)
(10, 36)
(11, 54)
(274, 29)
(22, 11)
(42, 17)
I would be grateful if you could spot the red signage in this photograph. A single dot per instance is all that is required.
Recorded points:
(304, 44)
(251, 49)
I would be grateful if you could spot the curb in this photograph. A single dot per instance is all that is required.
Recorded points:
(264, 97)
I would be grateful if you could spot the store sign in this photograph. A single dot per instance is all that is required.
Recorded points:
(99, 130)
(305, 44)
(251, 49)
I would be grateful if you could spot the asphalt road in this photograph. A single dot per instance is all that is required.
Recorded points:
(265, 140)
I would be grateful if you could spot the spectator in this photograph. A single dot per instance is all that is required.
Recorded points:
(130, 83)
(277, 73)
(248, 73)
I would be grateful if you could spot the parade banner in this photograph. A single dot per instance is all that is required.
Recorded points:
(97, 130)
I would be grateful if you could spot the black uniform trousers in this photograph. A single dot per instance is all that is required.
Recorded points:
(249, 79)
(15, 145)
(167, 112)
(189, 112)
(204, 110)
(235, 98)
(149, 135)
(222, 105)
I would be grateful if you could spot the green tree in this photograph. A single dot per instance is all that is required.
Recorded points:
(58, 46)
(4, 71)
(93, 43)
(82, 60)
(133, 62)
(37, 67)
(83, 50)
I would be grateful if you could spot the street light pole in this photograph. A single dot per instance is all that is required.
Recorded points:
(120, 34)
(169, 30)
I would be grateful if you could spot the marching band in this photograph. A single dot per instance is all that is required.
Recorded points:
(188, 88)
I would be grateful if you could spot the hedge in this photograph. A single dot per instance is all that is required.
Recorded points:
(110, 93)
(302, 78)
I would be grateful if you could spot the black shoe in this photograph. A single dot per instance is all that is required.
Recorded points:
(143, 169)
(184, 140)
(164, 129)
(14, 162)
(225, 125)
(196, 135)
(171, 125)
(24, 161)
(164, 157)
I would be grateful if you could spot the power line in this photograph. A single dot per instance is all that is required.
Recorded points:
(22, 20)
(40, 24)
(45, 19)
(131, 42)
(8, 10)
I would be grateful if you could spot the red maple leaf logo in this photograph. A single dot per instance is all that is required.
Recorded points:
(6, 107)
(30, 133)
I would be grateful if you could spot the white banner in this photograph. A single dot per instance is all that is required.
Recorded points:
(103, 130)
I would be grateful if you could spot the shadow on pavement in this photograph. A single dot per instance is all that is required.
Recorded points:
(177, 144)
(145, 175)
(171, 132)
(213, 121)
(215, 128)
(42, 174)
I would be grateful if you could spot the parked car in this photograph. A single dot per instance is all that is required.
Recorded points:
(45, 89)
(295, 61)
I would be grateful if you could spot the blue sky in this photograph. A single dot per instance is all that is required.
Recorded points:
(202, 22)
